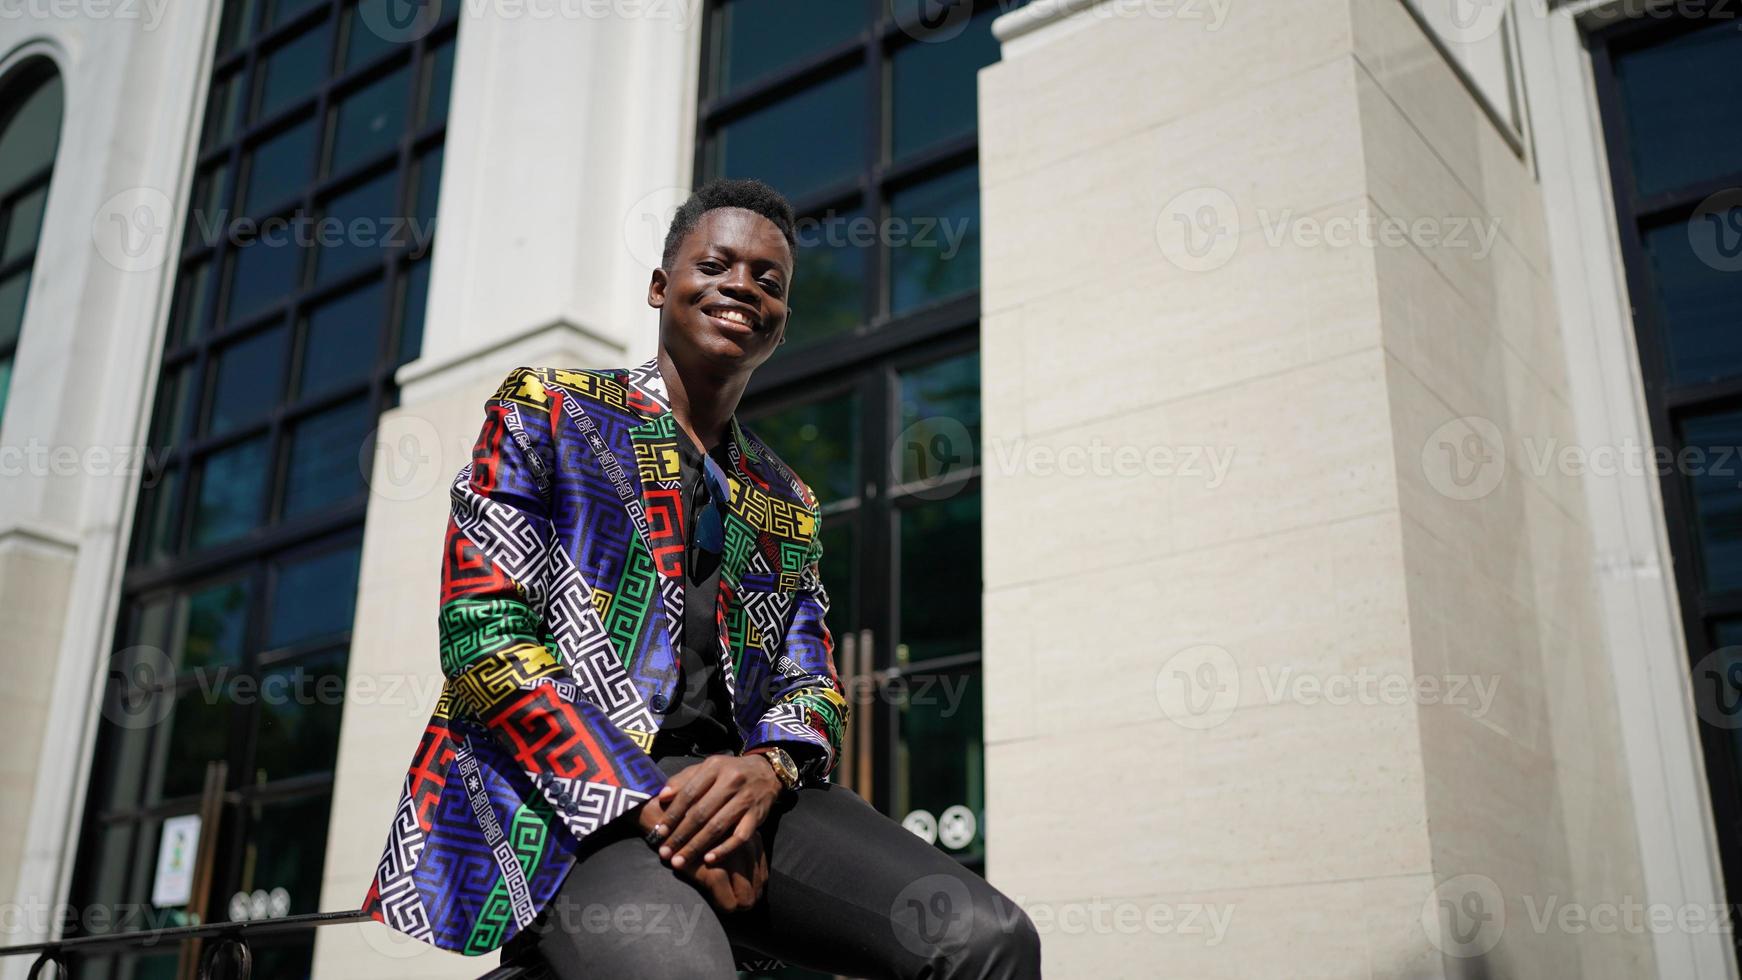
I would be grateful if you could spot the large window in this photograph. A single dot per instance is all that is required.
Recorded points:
(30, 114)
(1671, 99)
(300, 287)
(863, 113)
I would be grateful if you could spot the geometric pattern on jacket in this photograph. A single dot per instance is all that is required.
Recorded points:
(561, 609)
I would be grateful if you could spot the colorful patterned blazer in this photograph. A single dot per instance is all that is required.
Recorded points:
(561, 610)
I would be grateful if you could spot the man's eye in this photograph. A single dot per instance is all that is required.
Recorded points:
(772, 285)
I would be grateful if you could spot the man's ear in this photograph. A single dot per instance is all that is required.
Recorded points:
(656, 289)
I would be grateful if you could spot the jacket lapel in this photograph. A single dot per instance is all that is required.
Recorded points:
(654, 442)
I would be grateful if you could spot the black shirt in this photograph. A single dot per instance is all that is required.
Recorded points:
(700, 710)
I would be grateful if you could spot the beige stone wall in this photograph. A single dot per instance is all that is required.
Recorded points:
(1532, 795)
(36, 579)
(1192, 708)
(395, 672)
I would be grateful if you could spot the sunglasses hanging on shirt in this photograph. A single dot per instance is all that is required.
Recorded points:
(711, 517)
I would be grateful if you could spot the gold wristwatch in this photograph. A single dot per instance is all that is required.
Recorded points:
(784, 768)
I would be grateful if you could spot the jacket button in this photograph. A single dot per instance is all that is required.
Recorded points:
(659, 702)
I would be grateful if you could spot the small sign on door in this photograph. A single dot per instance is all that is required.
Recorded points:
(174, 882)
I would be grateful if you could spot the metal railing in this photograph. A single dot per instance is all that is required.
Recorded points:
(206, 946)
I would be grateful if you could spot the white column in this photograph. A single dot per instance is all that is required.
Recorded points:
(84, 377)
(568, 147)
(1268, 262)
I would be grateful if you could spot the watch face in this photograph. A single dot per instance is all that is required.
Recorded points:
(784, 767)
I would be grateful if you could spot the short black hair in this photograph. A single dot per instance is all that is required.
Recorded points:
(721, 192)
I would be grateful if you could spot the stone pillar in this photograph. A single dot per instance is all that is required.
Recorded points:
(1308, 666)
(70, 444)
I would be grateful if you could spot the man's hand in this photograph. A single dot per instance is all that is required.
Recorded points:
(734, 883)
(734, 880)
(712, 808)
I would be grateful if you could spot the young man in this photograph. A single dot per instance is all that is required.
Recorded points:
(627, 773)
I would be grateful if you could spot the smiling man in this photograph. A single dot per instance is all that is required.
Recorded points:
(628, 773)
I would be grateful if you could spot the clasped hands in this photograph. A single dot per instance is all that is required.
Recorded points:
(707, 817)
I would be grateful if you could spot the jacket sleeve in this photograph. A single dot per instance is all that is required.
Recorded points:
(503, 672)
(808, 712)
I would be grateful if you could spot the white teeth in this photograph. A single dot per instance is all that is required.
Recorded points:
(733, 315)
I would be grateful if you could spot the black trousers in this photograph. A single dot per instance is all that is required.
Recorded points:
(849, 891)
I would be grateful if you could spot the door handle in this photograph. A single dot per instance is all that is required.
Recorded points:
(857, 659)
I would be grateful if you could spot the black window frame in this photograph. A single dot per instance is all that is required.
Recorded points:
(868, 359)
(256, 556)
(1669, 403)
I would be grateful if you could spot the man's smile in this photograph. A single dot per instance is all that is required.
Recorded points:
(733, 314)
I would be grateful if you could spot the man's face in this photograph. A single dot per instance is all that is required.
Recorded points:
(724, 298)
